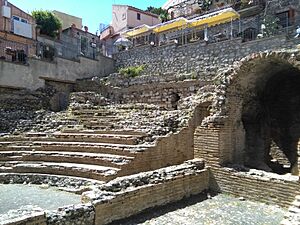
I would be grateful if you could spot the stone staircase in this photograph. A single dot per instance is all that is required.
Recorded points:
(129, 118)
(87, 155)
(105, 142)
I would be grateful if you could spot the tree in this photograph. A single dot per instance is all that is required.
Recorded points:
(48, 22)
(163, 14)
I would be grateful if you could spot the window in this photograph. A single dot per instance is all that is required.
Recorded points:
(124, 16)
(16, 18)
(24, 21)
(19, 19)
(286, 18)
(138, 16)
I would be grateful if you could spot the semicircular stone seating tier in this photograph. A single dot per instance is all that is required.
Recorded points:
(107, 142)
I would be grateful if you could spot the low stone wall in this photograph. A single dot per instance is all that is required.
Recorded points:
(158, 90)
(71, 184)
(256, 185)
(162, 94)
(129, 195)
(28, 76)
(149, 190)
(30, 216)
(212, 144)
(82, 214)
(198, 57)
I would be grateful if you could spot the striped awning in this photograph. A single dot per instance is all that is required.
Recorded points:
(208, 20)
(137, 31)
(171, 25)
(215, 18)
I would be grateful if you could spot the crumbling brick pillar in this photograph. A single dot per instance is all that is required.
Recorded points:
(214, 145)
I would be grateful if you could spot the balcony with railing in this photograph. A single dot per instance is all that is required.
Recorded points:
(21, 27)
(13, 51)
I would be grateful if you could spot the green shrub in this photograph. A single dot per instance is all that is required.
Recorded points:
(132, 71)
(47, 21)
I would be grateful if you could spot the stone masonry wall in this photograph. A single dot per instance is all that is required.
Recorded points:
(256, 185)
(197, 57)
(156, 188)
(126, 196)
(29, 76)
(210, 143)
(164, 90)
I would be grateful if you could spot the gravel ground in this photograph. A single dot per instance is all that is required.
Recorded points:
(220, 210)
(15, 196)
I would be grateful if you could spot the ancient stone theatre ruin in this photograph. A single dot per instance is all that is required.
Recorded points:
(203, 116)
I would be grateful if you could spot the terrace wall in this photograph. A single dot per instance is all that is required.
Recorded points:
(198, 57)
(28, 76)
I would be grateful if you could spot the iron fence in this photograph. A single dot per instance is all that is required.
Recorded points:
(247, 29)
(67, 47)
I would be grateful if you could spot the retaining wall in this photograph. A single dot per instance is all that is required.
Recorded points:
(28, 76)
(198, 57)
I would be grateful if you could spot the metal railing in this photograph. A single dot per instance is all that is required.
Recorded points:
(13, 51)
(246, 30)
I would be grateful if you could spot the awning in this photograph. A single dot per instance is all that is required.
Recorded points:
(170, 25)
(137, 31)
(215, 18)
(209, 20)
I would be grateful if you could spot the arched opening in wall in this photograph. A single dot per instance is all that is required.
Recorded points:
(271, 119)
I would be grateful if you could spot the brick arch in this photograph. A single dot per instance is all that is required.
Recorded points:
(239, 86)
(250, 109)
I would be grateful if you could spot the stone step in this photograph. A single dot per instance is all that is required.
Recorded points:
(126, 132)
(101, 173)
(139, 127)
(69, 157)
(103, 138)
(101, 112)
(92, 112)
(91, 124)
(105, 148)
(82, 137)
(100, 118)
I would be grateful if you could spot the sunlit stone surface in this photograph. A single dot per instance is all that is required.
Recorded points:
(221, 209)
(15, 196)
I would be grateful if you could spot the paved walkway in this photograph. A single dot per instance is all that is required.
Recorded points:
(220, 210)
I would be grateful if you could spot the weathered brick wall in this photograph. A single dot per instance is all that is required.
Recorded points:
(213, 144)
(19, 42)
(131, 202)
(272, 190)
(172, 149)
(198, 57)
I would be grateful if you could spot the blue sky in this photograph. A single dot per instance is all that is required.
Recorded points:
(92, 12)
